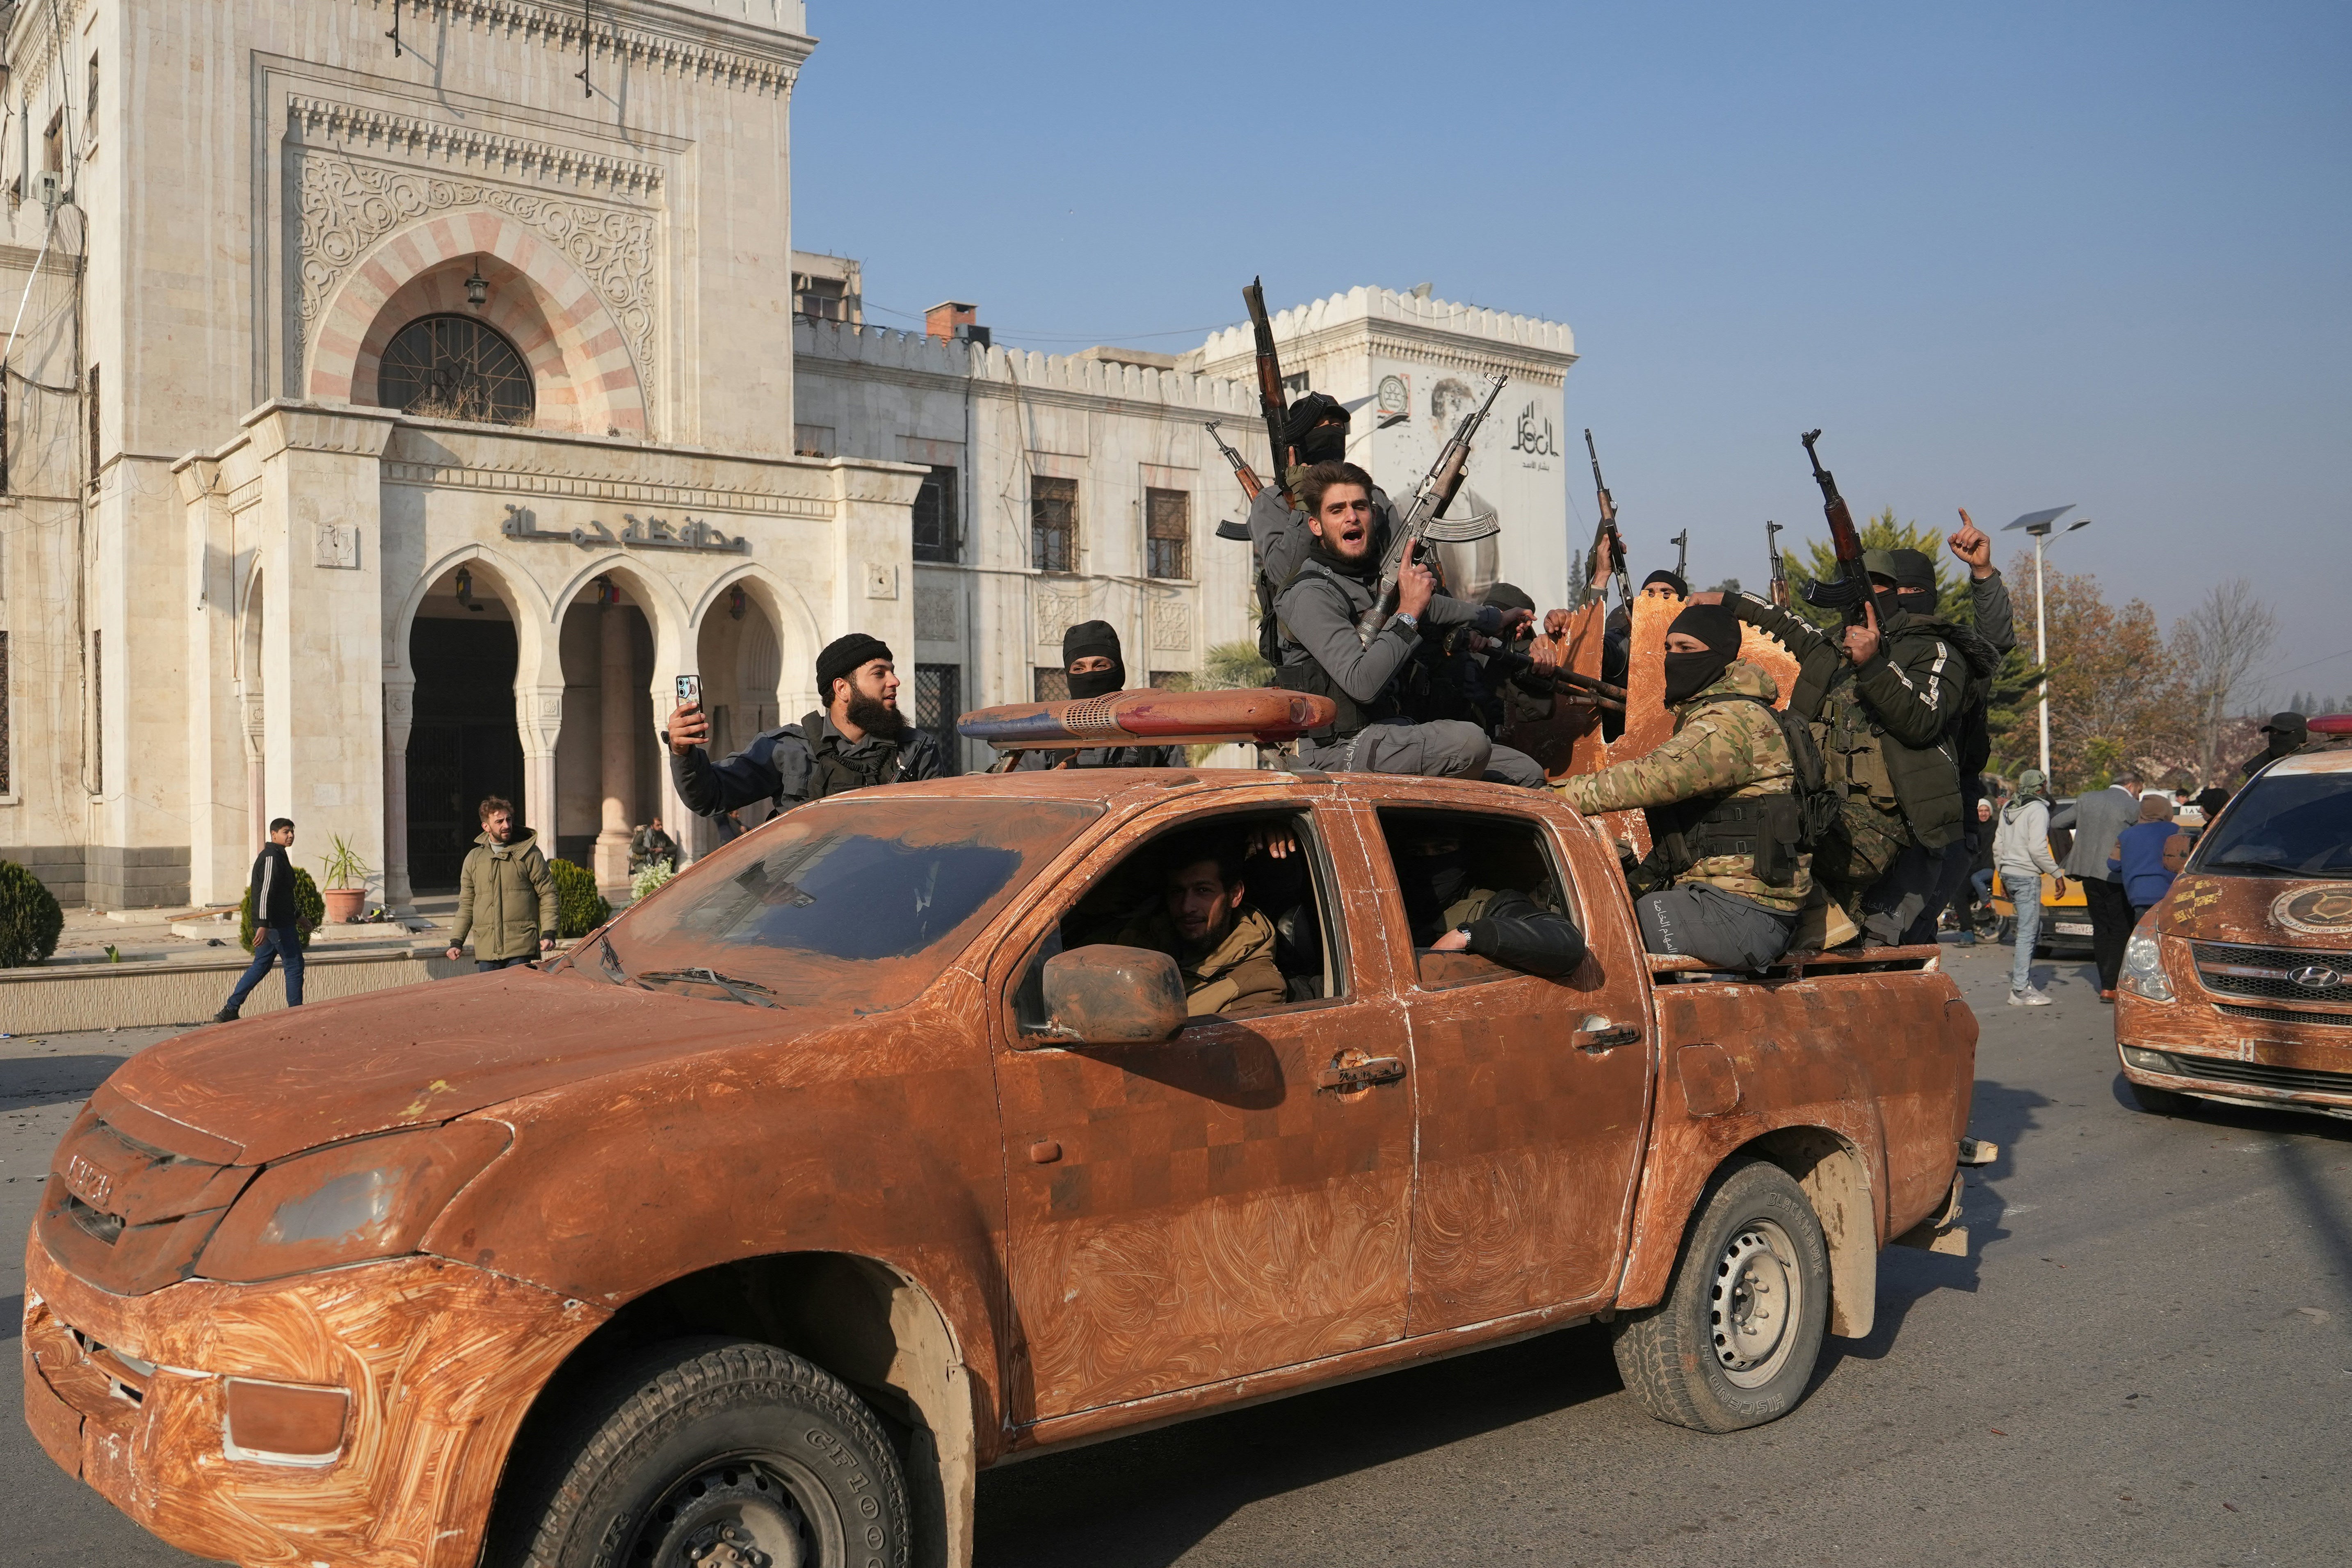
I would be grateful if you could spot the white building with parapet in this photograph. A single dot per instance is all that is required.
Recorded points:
(389, 423)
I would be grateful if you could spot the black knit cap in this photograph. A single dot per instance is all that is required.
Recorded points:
(1090, 639)
(1510, 597)
(1913, 568)
(846, 655)
(1681, 589)
(1713, 624)
(1310, 411)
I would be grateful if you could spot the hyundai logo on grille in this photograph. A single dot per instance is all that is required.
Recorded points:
(2316, 977)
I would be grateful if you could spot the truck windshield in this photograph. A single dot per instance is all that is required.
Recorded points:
(2294, 825)
(856, 902)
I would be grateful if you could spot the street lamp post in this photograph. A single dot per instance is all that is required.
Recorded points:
(2039, 524)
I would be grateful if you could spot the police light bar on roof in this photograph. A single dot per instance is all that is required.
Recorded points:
(2331, 724)
(1152, 718)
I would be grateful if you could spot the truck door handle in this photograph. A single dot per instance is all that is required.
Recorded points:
(1360, 1075)
(1598, 1035)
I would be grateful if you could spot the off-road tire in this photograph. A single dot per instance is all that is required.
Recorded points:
(2159, 1102)
(1751, 1215)
(705, 1437)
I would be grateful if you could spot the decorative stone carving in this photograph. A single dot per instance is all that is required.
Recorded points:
(1171, 627)
(937, 617)
(320, 121)
(1056, 614)
(745, 60)
(881, 580)
(347, 205)
(336, 546)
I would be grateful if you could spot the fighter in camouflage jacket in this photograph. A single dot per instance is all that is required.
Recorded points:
(1722, 746)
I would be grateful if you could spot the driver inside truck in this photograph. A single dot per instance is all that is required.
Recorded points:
(1223, 947)
(1459, 901)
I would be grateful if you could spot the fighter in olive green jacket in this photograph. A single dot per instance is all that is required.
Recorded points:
(505, 899)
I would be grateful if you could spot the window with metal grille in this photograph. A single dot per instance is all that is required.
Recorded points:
(1048, 683)
(1167, 533)
(938, 536)
(1053, 524)
(455, 367)
(938, 703)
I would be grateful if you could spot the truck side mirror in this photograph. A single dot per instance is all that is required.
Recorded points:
(1107, 996)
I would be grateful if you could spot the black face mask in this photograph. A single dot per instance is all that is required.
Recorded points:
(1324, 444)
(1100, 683)
(1689, 674)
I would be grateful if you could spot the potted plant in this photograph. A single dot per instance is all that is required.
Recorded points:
(346, 888)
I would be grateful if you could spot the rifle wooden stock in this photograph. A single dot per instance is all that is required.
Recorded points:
(1843, 536)
(1270, 400)
(1251, 483)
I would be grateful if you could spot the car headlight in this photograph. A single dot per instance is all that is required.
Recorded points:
(372, 1197)
(2143, 972)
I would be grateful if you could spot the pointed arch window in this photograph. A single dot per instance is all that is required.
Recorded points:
(455, 367)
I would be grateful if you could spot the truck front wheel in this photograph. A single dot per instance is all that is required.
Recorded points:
(1734, 1343)
(728, 1454)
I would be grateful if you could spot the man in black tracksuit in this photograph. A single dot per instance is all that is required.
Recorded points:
(276, 921)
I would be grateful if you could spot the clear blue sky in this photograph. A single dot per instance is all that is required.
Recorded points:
(2007, 256)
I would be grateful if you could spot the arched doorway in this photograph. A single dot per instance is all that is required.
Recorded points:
(741, 659)
(608, 764)
(462, 743)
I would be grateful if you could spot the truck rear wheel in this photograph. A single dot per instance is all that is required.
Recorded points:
(1734, 1343)
(727, 1454)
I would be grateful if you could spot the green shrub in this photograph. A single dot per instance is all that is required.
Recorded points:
(579, 906)
(310, 910)
(29, 917)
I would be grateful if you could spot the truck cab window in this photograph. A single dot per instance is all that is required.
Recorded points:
(1484, 885)
(1238, 900)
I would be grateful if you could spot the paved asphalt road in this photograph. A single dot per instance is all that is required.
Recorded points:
(2144, 1360)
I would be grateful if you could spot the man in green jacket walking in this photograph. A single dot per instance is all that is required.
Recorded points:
(506, 900)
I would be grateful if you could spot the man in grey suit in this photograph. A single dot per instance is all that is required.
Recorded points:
(2097, 818)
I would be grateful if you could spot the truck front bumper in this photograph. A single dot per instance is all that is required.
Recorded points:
(437, 1361)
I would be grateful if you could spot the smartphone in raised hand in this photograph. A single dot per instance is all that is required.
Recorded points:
(689, 691)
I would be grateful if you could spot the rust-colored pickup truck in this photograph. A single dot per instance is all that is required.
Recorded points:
(2238, 986)
(862, 1157)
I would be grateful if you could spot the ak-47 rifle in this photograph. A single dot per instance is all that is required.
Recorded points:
(1780, 567)
(1251, 483)
(1606, 537)
(1270, 400)
(1511, 661)
(1681, 541)
(1429, 504)
(1850, 592)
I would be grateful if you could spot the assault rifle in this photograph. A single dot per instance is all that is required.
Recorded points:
(1850, 592)
(1429, 504)
(1607, 545)
(1270, 400)
(1511, 661)
(1681, 541)
(1780, 592)
(1251, 483)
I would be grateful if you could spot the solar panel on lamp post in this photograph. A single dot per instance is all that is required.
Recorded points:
(2040, 524)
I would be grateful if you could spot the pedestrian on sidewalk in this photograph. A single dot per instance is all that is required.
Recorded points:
(2020, 850)
(2099, 817)
(1976, 893)
(276, 921)
(2139, 858)
(506, 898)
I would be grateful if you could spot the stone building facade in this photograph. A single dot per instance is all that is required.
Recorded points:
(390, 422)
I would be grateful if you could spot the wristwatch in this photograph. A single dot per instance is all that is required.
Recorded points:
(1406, 619)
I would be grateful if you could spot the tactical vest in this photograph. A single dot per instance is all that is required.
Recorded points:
(829, 773)
(1770, 830)
(1923, 783)
(1304, 674)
